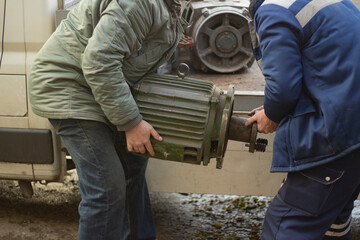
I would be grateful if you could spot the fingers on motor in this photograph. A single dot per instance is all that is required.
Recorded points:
(150, 148)
(156, 135)
(249, 121)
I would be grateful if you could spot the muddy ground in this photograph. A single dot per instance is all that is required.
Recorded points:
(51, 214)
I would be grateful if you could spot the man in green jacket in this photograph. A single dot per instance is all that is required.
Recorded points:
(81, 81)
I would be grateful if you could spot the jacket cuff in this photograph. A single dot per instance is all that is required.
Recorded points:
(274, 116)
(130, 124)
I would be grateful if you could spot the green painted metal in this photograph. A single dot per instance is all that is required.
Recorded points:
(191, 115)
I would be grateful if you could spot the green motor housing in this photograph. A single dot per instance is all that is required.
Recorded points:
(191, 115)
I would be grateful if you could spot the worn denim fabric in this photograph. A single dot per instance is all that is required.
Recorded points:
(315, 203)
(115, 201)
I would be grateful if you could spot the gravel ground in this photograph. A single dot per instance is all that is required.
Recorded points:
(195, 216)
(52, 214)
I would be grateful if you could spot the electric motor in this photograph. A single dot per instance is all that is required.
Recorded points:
(192, 116)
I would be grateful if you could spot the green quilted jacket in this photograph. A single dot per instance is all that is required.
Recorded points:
(87, 67)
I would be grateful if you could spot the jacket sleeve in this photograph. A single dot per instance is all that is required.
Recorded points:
(279, 34)
(118, 34)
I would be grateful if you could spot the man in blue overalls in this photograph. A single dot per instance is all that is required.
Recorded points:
(309, 52)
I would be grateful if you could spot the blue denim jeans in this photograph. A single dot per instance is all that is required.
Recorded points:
(315, 203)
(115, 201)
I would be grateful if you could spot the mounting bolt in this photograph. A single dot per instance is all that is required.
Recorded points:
(205, 12)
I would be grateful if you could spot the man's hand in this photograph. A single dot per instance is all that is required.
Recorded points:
(258, 109)
(264, 124)
(138, 138)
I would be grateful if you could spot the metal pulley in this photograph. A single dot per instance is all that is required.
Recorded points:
(221, 35)
(192, 116)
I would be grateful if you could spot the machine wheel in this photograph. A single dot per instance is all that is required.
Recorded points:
(222, 41)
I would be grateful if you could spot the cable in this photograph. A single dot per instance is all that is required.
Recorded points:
(3, 35)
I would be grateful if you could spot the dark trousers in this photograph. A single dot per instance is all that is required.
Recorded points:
(316, 203)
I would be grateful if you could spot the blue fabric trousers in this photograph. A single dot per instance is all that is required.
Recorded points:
(115, 201)
(316, 203)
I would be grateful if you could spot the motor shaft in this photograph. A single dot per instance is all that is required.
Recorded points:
(239, 132)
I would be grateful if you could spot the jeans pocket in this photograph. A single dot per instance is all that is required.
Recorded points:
(309, 190)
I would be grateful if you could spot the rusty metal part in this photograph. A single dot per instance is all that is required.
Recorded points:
(239, 132)
(186, 42)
